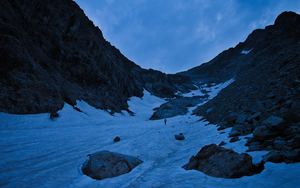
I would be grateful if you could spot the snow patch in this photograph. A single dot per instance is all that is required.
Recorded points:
(212, 90)
(246, 51)
(39, 152)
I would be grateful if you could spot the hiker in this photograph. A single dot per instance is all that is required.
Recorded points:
(165, 121)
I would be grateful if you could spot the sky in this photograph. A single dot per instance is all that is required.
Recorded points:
(176, 35)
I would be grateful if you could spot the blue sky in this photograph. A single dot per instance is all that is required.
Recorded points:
(176, 35)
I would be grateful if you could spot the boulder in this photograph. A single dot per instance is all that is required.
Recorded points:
(263, 133)
(241, 119)
(221, 126)
(179, 136)
(273, 156)
(256, 116)
(53, 115)
(105, 164)
(117, 139)
(217, 161)
(282, 156)
(289, 115)
(255, 146)
(275, 123)
(237, 130)
(268, 143)
(230, 119)
(234, 139)
(279, 144)
(255, 123)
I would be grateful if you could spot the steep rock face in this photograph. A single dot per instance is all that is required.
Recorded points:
(261, 46)
(52, 53)
(267, 81)
(267, 85)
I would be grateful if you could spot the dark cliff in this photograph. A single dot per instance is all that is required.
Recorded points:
(267, 79)
(52, 53)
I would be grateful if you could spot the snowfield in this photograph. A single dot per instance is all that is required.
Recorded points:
(39, 152)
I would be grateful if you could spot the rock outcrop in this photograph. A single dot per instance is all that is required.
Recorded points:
(217, 161)
(105, 164)
(177, 106)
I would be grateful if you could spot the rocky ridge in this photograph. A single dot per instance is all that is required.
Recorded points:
(52, 53)
(266, 86)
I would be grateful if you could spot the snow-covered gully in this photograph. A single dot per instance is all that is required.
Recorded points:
(39, 152)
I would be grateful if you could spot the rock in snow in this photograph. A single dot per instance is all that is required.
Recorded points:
(105, 164)
(179, 136)
(117, 139)
(217, 161)
(275, 123)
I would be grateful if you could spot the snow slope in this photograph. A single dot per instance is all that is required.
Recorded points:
(39, 152)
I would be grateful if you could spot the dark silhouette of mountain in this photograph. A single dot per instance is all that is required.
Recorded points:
(266, 78)
(52, 53)
(264, 99)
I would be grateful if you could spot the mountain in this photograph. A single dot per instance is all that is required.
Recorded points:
(264, 98)
(266, 72)
(52, 53)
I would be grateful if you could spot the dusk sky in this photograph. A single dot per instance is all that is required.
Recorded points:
(176, 35)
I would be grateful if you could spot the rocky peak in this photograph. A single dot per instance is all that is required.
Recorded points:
(286, 19)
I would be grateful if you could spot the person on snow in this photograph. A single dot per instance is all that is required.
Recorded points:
(165, 121)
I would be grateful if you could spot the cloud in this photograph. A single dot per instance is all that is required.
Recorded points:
(205, 33)
(172, 35)
(109, 1)
(219, 17)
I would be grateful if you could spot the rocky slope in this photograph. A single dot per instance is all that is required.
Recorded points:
(52, 53)
(267, 84)
(266, 78)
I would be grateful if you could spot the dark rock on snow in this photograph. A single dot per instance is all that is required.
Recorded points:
(117, 139)
(53, 115)
(222, 143)
(275, 123)
(105, 164)
(282, 156)
(217, 161)
(177, 106)
(234, 139)
(179, 136)
(263, 133)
